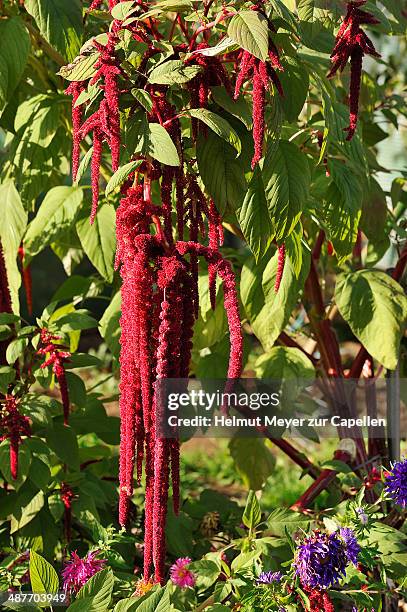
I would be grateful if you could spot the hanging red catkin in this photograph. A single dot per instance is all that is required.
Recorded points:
(13, 426)
(75, 89)
(5, 302)
(353, 43)
(56, 359)
(215, 241)
(280, 267)
(67, 497)
(27, 282)
(261, 73)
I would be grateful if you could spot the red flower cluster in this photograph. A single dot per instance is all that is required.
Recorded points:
(27, 282)
(56, 359)
(13, 426)
(280, 267)
(261, 74)
(319, 600)
(353, 43)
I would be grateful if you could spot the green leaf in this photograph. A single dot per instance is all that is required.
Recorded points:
(83, 166)
(224, 180)
(171, 72)
(16, 349)
(80, 319)
(14, 50)
(60, 23)
(206, 573)
(62, 440)
(109, 325)
(283, 363)
(28, 513)
(144, 98)
(123, 10)
(99, 240)
(375, 307)
(12, 228)
(287, 178)
(249, 29)
(374, 212)
(282, 519)
(253, 216)
(55, 215)
(99, 588)
(253, 460)
(238, 108)
(295, 83)
(7, 375)
(120, 176)
(81, 69)
(219, 125)
(267, 310)
(252, 512)
(43, 577)
(156, 142)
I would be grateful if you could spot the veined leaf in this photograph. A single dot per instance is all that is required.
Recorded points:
(253, 216)
(218, 124)
(55, 215)
(120, 176)
(287, 178)
(156, 142)
(43, 576)
(249, 29)
(99, 240)
(375, 307)
(171, 72)
(60, 23)
(14, 50)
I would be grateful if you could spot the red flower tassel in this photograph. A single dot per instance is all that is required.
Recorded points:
(352, 42)
(280, 267)
(13, 426)
(27, 282)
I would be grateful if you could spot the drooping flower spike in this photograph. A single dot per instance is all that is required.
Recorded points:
(261, 74)
(352, 43)
(56, 359)
(13, 426)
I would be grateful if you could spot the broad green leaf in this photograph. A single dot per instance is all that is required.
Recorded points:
(238, 108)
(283, 363)
(374, 212)
(62, 440)
(253, 460)
(120, 176)
(253, 216)
(144, 98)
(28, 513)
(219, 125)
(206, 573)
(7, 375)
(109, 324)
(14, 50)
(81, 69)
(12, 228)
(252, 512)
(78, 319)
(249, 29)
(157, 142)
(305, 9)
(60, 23)
(224, 180)
(279, 6)
(99, 240)
(286, 177)
(171, 72)
(123, 10)
(38, 119)
(245, 560)
(99, 588)
(295, 83)
(267, 310)
(55, 215)
(343, 207)
(43, 577)
(282, 519)
(83, 166)
(375, 307)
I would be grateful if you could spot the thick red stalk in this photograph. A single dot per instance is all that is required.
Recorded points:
(5, 302)
(27, 281)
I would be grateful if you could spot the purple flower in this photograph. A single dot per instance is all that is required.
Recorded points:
(352, 547)
(269, 577)
(78, 571)
(362, 516)
(180, 574)
(396, 483)
(320, 560)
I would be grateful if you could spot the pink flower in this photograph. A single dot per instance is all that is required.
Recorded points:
(78, 571)
(181, 575)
